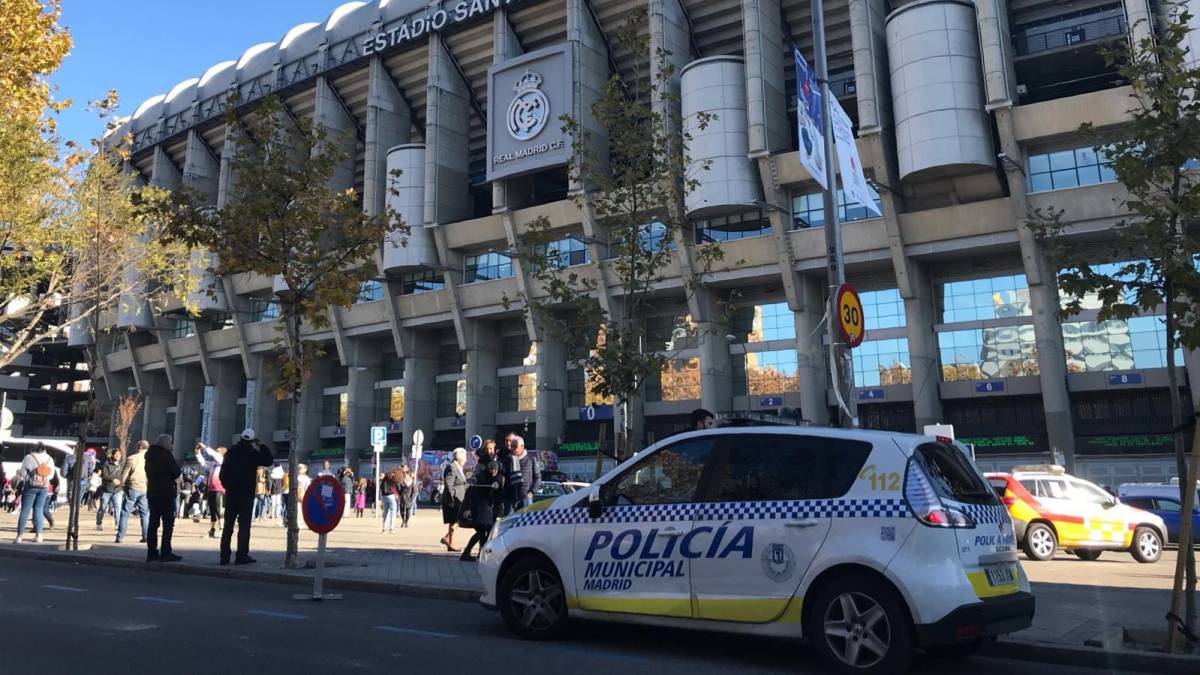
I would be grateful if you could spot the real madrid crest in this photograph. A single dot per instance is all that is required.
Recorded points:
(778, 562)
(530, 109)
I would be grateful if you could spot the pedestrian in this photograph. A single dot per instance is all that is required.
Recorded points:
(185, 484)
(347, 478)
(112, 489)
(389, 487)
(303, 480)
(455, 488)
(162, 472)
(238, 472)
(360, 497)
(262, 494)
(407, 496)
(276, 492)
(483, 500)
(52, 499)
(93, 490)
(702, 419)
(199, 497)
(37, 469)
(521, 477)
(326, 469)
(210, 460)
(134, 477)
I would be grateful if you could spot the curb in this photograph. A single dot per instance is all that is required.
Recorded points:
(230, 572)
(1114, 660)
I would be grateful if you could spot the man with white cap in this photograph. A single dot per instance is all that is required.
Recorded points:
(238, 473)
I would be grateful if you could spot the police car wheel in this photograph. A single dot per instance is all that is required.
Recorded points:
(1040, 542)
(1087, 554)
(1147, 545)
(532, 600)
(858, 625)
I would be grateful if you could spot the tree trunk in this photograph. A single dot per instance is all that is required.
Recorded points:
(1185, 574)
(292, 321)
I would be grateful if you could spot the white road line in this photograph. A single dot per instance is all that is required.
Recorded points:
(69, 589)
(414, 631)
(275, 615)
(165, 601)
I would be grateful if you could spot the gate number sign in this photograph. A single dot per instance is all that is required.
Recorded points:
(851, 318)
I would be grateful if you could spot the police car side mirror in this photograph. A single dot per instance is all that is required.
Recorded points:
(595, 506)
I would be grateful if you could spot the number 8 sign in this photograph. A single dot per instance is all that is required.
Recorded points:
(851, 318)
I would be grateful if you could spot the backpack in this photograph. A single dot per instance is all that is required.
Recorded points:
(40, 476)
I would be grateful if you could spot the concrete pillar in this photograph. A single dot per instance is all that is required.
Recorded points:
(201, 171)
(447, 132)
(163, 172)
(1191, 361)
(157, 396)
(227, 382)
(919, 317)
(307, 424)
(483, 384)
(591, 72)
(868, 33)
(716, 368)
(363, 359)
(1141, 21)
(995, 45)
(188, 400)
(505, 46)
(389, 123)
(262, 404)
(551, 393)
(340, 130)
(420, 388)
(766, 98)
(810, 350)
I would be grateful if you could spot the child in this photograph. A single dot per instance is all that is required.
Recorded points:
(360, 498)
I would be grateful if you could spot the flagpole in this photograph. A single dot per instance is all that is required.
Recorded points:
(841, 368)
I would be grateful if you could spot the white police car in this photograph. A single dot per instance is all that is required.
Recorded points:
(868, 544)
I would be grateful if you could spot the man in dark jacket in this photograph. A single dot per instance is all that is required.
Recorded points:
(522, 477)
(112, 489)
(161, 472)
(238, 473)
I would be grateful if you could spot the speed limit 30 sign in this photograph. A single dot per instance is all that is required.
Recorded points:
(851, 319)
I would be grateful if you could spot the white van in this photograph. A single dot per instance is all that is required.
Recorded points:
(13, 451)
(868, 544)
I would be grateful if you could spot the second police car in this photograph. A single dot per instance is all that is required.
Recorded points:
(867, 544)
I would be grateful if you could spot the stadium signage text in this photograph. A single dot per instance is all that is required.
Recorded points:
(431, 19)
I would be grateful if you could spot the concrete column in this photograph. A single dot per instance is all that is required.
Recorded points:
(340, 129)
(363, 358)
(420, 388)
(389, 123)
(163, 172)
(551, 393)
(227, 383)
(307, 424)
(188, 400)
(868, 33)
(923, 354)
(592, 70)
(1191, 361)
(766, 99)
(447, 131)
(201, 171)
(505, 46)
(262, 404)
(157, 396)
(810, 351)
(1141, 20)
(995, 45)
(483, 384)
(1043, 301)
(716, 368)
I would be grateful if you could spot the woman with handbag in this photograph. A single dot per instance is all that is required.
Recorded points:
(454, 482)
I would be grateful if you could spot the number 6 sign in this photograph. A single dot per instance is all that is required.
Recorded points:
(851, 319)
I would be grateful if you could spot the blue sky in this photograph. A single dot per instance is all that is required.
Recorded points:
(145, 47)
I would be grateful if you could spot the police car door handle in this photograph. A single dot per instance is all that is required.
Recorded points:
(801, 524)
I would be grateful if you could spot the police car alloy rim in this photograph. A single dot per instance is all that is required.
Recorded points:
(536, 597)
(1148, 544)
(1041, 543)
(857, 630)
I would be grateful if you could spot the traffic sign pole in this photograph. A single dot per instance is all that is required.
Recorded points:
(840, 367)
(322, 507)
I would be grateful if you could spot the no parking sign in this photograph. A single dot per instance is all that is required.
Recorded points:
(323, 504)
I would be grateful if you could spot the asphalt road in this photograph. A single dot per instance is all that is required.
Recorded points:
(60, 618)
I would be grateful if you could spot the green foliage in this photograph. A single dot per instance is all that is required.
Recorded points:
(634, 187)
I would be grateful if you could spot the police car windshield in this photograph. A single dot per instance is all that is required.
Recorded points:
(953, 475)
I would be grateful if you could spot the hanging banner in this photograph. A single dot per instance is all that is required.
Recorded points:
(809, 118)
(206, 416)
(251, 395)
(854, 183)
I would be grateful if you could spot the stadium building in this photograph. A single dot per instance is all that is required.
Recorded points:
(967, 117)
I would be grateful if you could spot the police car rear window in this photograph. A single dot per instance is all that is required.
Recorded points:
(774, 467)
(953, 475)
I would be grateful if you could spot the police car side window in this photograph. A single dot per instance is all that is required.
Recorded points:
(669, 476)
(781, 467)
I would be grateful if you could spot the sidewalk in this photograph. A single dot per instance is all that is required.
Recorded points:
(411, 562)
(359, 556)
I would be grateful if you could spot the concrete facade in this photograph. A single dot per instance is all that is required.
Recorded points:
(951, 264)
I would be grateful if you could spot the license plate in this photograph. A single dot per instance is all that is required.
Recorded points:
(1000, 575)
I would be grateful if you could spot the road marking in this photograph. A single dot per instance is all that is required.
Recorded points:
(414, 631)
(165, 601)
(595, 653)
(69, 589)
(275, 615)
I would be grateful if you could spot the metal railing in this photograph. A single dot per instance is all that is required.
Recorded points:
(1081, 32)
